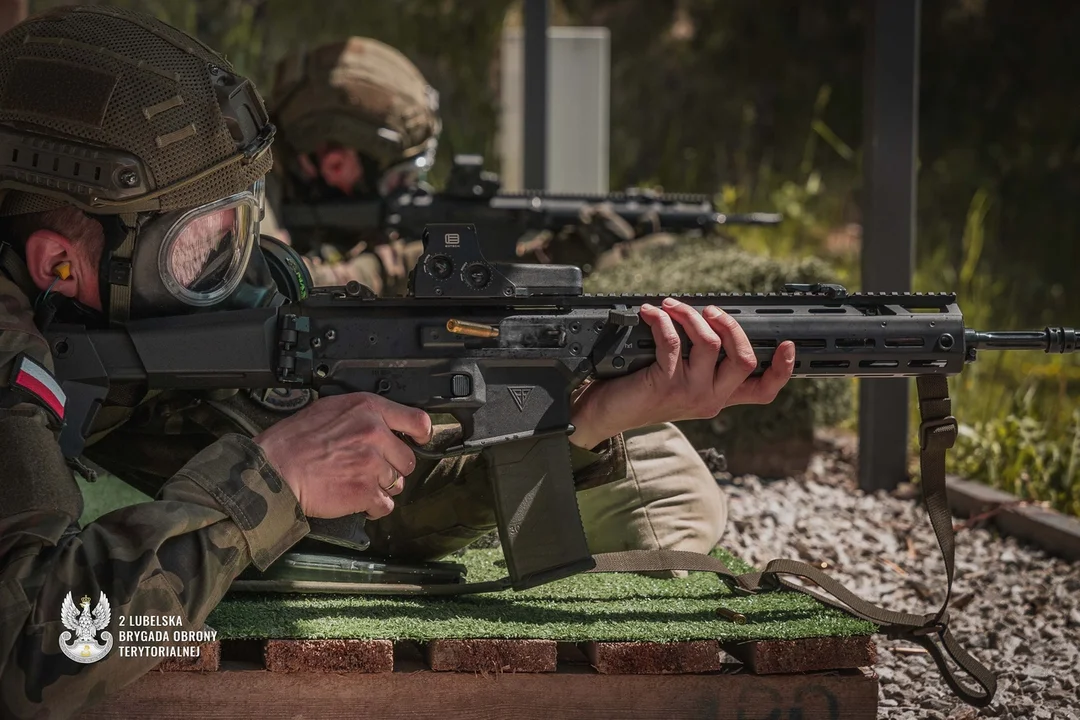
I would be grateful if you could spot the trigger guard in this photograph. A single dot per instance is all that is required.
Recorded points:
(478, 447)
(437, 454)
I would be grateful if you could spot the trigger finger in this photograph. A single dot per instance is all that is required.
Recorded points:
(399, 456)
(380, 506)
(396, 485)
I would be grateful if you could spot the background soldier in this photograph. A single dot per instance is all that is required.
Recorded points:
(357, 119)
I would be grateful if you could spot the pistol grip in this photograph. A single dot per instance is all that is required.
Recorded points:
(347, 531)
(536, 508)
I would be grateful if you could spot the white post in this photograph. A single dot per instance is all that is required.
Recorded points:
(578, 126)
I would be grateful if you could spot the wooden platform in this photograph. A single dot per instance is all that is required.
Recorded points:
(843, 695)
(266, 679)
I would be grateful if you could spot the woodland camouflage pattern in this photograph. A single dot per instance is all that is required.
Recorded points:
(226, 508)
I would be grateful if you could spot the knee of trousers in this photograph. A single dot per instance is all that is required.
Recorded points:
(669, 500)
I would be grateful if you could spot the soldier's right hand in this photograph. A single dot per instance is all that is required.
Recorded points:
(340, 456)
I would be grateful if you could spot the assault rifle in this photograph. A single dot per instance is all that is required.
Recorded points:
(473, 196)
(502, 347)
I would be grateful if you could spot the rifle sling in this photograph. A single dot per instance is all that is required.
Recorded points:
(937, 433)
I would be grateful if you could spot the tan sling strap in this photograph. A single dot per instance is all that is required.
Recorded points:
(937, 433)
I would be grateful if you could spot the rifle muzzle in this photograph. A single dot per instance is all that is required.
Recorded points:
(1051, 340)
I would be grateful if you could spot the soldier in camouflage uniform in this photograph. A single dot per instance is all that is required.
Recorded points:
(131, 167)
(357, 118)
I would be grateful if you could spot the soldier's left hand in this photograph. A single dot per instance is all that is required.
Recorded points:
(677, 388)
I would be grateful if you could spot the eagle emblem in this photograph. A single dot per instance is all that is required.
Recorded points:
(85, 625)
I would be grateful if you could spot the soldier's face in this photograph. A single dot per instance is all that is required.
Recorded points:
(338, 167)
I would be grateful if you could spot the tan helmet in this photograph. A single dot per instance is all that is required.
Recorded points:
(358, 93)
(116, 112)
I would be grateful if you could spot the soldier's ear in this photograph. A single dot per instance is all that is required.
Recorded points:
(50, 258)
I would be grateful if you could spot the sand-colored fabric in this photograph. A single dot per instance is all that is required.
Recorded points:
(667, 500)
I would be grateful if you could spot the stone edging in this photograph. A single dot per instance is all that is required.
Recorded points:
(1048, 529)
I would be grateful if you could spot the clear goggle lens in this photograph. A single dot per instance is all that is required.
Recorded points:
(205, 253)
(406, 174)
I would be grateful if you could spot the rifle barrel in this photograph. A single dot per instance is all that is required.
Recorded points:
(1051, 340)
(756, 218)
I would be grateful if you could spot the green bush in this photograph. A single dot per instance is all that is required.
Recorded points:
(1018, 454)
(765, 440)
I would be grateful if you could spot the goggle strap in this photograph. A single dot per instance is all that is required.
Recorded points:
(12, 265)
(119, 271)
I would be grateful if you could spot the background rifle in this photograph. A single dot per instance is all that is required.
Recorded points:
(502, 347)
(473, 196)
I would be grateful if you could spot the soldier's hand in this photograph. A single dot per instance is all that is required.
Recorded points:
(676, 388)
(598, 230)
(340, 456)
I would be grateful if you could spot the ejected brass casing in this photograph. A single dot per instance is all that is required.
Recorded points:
(463, 327)
(735, 617)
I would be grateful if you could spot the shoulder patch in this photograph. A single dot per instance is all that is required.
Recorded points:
(283, 399)
(34, 380)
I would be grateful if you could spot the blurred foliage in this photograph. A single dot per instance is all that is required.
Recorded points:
(1018, 454)
(1020, 425)
(769, 97)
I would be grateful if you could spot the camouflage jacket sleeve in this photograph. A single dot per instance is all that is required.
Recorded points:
(170, 559)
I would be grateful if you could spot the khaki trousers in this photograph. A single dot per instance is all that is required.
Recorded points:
(668, 500)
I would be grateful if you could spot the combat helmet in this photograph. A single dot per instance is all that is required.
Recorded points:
(150, 132)
(117, 113)
(358, 93)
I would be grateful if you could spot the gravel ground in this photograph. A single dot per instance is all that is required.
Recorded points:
(1015, 608)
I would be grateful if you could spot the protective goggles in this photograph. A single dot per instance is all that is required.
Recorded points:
(204, 252)
(407, 173)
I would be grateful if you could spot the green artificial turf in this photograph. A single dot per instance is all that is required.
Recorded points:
(611, 606)
(105, 494)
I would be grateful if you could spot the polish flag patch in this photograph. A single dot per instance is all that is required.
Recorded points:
(33, 379)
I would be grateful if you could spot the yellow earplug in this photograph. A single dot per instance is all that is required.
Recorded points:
(63, 270)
